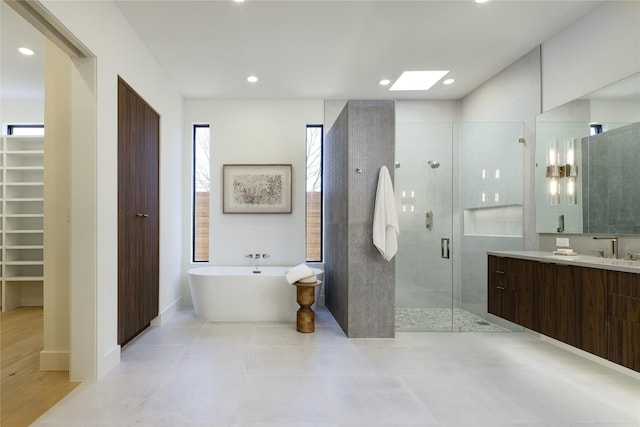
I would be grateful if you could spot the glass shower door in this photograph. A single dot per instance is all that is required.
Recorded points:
(425, 297)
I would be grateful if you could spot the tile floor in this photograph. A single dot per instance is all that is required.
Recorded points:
(442, 320)
(190, 373)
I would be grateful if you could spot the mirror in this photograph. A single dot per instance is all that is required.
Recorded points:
(587, 176)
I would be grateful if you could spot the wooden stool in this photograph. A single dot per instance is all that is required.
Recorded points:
(305, 296)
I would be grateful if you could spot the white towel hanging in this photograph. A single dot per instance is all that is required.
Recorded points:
(385, 217)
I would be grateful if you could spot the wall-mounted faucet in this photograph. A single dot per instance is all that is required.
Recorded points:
(614, 245)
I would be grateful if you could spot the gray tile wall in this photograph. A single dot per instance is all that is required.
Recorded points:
(336, 196)
(612, 202)
(360, 284)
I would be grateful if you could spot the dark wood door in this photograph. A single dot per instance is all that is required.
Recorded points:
(592, 288)
(496, 284)
(566, 305)
(623, 319)
(502, 299)
(524, 277)
(138, 213)
(545, 300)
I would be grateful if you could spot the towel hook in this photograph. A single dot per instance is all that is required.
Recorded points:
(359, 170)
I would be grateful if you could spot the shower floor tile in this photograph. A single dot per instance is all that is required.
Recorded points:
(442, 320)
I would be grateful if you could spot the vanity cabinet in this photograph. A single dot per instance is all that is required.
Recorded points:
(511, 290)
(556, 308)
(623, 319)
(571, 306)
(592, 310)
(502, 289)
(564, 302)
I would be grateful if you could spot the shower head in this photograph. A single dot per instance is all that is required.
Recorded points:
(434, 164)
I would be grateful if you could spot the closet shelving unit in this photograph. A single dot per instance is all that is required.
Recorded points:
(22, 235)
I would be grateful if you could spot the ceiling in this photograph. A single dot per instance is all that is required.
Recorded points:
(326, 49)
(21, 77)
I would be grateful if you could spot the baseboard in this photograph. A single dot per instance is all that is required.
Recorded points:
(54, 360)
(186, 302)
(110, 360)
(589, 356)
(166, 314)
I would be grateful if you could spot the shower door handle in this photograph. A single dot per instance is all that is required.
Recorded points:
(445, 248)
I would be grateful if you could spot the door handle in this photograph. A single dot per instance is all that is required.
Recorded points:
(142, 215)
(445, 248)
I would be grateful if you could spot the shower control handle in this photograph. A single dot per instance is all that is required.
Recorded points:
(428, 222)
(445, 248)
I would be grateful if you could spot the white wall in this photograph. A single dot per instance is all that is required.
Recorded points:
(246, 131)
(102, 28)
(595, 51)
(513, 95)
(21, 112)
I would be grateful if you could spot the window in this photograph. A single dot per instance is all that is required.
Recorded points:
(201, 191)
(314, 193)
(595, 128)
(25, 130)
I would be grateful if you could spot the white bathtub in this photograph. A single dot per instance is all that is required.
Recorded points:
(239, 294)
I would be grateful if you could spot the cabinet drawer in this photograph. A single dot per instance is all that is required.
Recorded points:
(624, 308)
(624, 343)
(627, 284)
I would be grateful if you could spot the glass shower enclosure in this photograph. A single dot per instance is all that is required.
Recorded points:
(459, 193)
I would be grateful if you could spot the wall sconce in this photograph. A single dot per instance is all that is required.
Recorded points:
(558, 168)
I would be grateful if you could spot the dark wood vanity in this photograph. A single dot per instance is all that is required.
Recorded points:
(592, 308)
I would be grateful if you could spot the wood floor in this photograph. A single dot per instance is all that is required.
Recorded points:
(25, 391)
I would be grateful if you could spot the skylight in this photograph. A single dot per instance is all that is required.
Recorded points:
(417, 80)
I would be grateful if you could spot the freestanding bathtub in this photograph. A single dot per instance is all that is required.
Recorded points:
(241, 294)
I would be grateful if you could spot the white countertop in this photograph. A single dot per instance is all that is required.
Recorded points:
(591, 261)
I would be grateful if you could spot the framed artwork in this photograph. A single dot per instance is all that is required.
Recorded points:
(256, 188)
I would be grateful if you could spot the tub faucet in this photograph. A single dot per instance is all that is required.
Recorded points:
(614, 245)
(250, 256)
(265, 255)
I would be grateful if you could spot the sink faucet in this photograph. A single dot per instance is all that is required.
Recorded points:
(614, 245)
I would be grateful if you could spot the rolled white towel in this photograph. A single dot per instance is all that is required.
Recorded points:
(298, 272)
(312, 279)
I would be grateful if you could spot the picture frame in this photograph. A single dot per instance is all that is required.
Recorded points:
(256, 188)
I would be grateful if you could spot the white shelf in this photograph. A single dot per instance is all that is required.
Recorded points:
(23, 184)
(21, 191)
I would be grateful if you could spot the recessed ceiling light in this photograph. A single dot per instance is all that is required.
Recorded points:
(252, 79)
(242, 1)
(384, 82)
(481, 1)
(25, 51)
(448, 81)
(418, 80)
